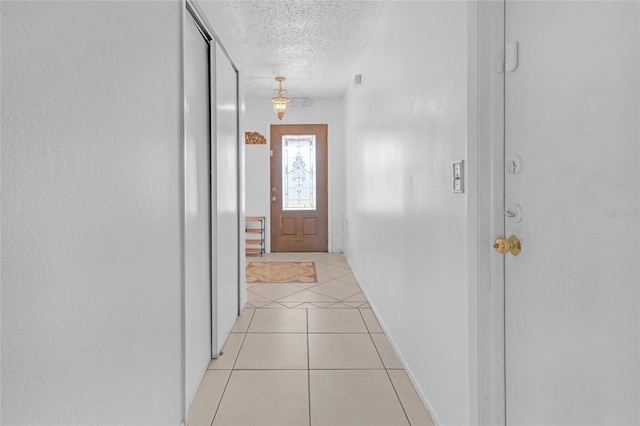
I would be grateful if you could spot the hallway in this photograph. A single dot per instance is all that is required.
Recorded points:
(307, 353)
(453, 126)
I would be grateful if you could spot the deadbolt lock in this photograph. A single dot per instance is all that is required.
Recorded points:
(274, 198)
(508, 245)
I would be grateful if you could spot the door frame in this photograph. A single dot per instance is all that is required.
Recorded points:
(485, 204)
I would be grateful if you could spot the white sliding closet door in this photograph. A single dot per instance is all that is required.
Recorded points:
(227, 163)
(197, 214)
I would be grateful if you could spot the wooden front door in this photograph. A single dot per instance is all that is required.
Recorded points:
(299, 220)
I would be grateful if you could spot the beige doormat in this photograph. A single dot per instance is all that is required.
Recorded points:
(282, 272)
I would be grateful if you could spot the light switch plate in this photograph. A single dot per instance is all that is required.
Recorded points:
(458, 176)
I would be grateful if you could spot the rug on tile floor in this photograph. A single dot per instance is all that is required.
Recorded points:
(282, 272)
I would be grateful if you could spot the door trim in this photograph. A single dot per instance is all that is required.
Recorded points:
(485, 203)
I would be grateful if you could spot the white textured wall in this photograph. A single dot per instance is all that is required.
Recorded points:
(91, 281)
(258, 117)
(407, 238)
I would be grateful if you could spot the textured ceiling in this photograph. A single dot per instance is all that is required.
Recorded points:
(315, 44)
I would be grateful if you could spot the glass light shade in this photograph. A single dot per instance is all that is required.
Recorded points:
(280, 105)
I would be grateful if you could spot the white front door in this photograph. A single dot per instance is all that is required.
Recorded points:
(572, 138)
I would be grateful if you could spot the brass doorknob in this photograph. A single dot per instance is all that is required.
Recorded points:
(273, 198)
(508, 245)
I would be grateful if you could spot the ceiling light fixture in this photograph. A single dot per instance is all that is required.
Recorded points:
(280, 102)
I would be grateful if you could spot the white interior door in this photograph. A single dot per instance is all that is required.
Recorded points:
(227, 236)
(572, 116)
(197, 214)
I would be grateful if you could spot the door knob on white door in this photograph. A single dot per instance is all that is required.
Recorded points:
(508, 245)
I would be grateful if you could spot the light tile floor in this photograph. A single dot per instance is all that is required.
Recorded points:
(307, 354)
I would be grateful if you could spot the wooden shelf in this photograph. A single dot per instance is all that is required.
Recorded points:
(254, 226)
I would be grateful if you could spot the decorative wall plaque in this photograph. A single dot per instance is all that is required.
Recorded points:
(254, 138)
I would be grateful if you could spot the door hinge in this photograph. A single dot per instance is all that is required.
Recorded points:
(271, 152)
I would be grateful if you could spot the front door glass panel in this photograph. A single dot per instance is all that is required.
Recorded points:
(299, 172)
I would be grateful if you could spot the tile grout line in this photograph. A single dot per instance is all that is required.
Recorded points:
(348, 369)
(235, 361)
(221, 397)
(372, 341)
(274, 300)
(308, 367)
(386, 370)
(232, 368)
(366, 325)
(398, 395)
(333, 302)
(336, 300)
